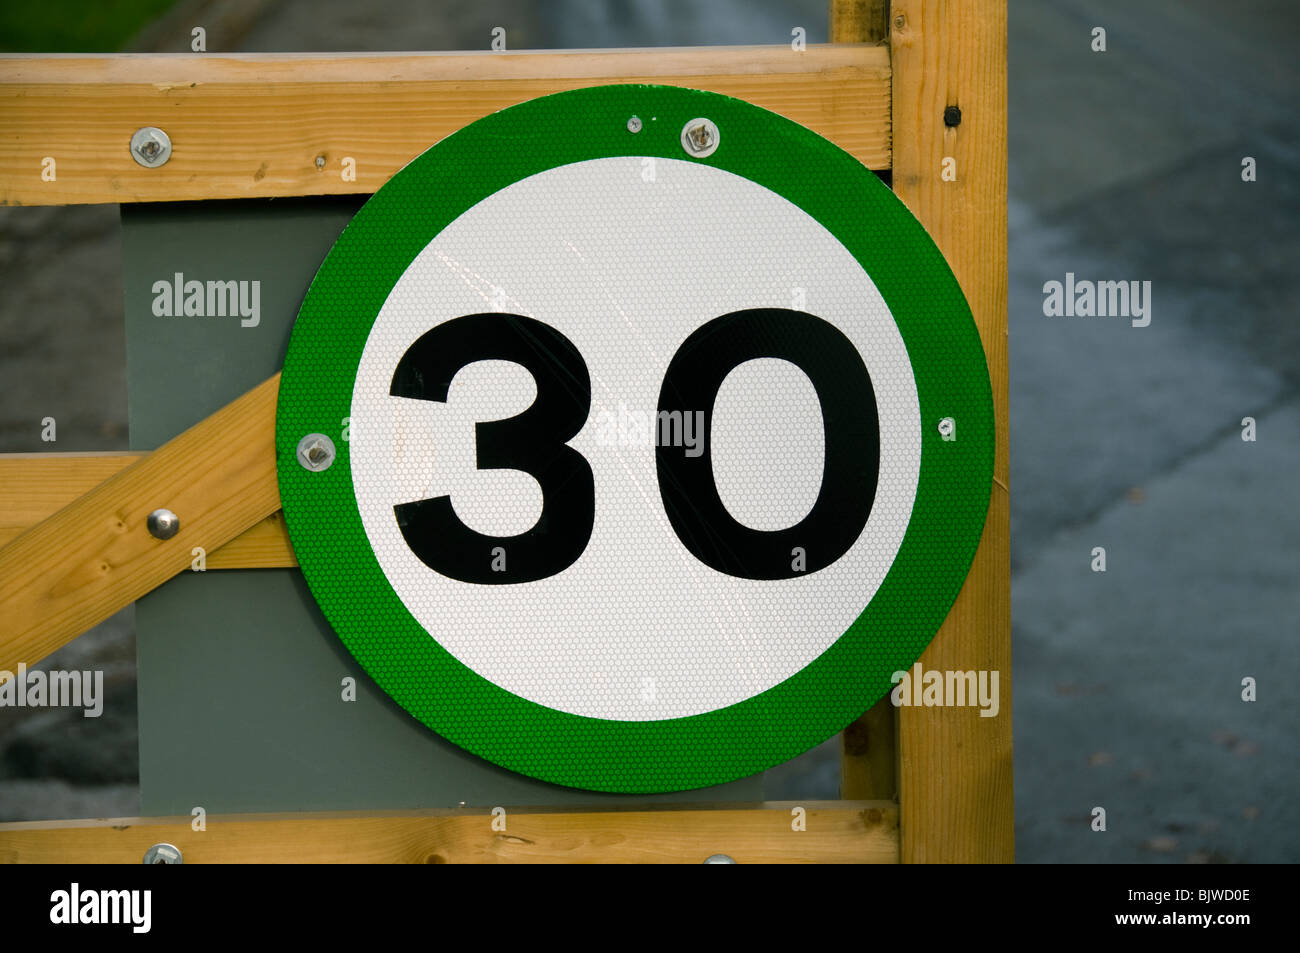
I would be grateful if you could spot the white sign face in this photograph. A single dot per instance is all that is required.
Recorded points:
(627, 257)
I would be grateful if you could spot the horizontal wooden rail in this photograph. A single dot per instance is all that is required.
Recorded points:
(34, 486)
(96, 555)
(252, 125)
(820, 832)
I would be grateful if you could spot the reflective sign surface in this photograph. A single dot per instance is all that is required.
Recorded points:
(641, 481)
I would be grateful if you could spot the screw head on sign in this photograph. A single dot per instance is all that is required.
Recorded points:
(316, 452)
(163, 854)
(634, 124)
(151, 147)
(163, 524)
(946, 427)
(700, 137)
(719, 859)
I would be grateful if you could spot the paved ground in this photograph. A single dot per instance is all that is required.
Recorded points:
(1124, 165)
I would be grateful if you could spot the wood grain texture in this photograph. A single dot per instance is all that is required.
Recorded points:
(836, 832)
(869, 754)
(868, 747)
(34, 486)
(254, 125)
(859, 21)
(95, 556)
(955, 781)
(264, 545)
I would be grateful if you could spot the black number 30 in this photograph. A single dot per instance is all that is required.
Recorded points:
(535, 442)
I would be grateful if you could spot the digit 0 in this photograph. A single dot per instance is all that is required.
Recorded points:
(850, 467)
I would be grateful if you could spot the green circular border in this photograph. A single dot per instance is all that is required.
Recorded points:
(637, 756)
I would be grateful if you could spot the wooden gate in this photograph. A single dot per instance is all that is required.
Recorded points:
(915, 89)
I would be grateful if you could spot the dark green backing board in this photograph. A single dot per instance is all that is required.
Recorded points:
(239, 673)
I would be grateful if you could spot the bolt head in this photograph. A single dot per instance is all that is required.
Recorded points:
(719, 859)
(163, 524)
(634, 124)
(946, 427)
(151, 147)
(316, 452)
(700, 137)
(163, 854)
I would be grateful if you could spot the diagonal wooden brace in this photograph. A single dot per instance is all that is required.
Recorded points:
(95, 556)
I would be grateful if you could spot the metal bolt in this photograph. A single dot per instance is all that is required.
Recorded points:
(947, 426)
(320, 162)
(163, 524)
(900, 21)
(634, 124)
(163, 854)
(316, 452)
(719, 859)
(151, 147)
(700, 137)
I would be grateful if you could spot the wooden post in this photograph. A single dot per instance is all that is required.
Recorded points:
(955, 780)
(859, 21)
(868, 752)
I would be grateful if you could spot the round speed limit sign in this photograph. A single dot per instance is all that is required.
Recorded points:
(633, 437)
